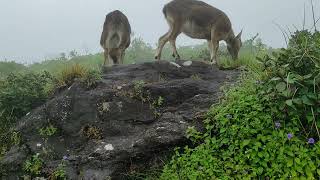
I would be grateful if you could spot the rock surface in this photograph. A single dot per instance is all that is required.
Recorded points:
(134, 114)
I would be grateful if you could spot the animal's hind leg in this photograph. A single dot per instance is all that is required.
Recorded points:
(174, 48)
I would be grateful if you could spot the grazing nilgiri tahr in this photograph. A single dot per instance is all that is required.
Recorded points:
(115, 37)
(198, 20)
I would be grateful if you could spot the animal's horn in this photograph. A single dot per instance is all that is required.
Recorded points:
(239, 35)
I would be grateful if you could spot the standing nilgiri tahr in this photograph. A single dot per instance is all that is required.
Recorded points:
(115, 37)
(198, 20)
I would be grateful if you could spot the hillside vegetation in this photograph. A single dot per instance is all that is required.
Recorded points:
(266, 127)
(138, 52)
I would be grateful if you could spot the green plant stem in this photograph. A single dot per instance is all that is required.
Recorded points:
(314, 121)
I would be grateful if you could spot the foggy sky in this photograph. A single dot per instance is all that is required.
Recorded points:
(31, 30)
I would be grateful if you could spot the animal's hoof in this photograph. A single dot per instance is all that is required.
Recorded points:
(213, 63)
(173, 55)
(156, 57)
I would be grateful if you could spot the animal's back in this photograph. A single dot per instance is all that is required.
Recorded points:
(198, 12)
(116, 30)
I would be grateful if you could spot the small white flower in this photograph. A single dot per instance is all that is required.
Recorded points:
(39, 145)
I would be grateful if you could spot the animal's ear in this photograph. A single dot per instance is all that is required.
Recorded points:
(239, 35)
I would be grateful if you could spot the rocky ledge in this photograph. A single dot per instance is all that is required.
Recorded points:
(134, 115)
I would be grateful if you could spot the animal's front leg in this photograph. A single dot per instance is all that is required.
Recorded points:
(214, 55)
(111, 62)
(105, 53)
(122, 57)
(210, 48)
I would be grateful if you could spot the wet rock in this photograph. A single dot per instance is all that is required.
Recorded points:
(134, 114)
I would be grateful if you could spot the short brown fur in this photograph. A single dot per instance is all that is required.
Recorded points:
(198, 20)
(115, 37)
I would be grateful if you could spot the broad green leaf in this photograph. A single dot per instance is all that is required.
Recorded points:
(290, 80)
(275, 79)
(289, 162)
(307, 101)
(289, 102)
(297, 101)
(281, 87)
(244, 143)
(287, 93)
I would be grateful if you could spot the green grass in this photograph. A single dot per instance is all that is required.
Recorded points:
(138, 52)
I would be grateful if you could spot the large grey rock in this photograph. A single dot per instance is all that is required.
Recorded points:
(122, 122)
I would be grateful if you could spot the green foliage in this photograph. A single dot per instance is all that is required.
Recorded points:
(19, 93)
(91, 77)
(33, 165)
(8, 138)
(7, 68)
(59, 173)
(139, 51)
(195, 77)
(88, 77)
(138, 91)
(70, 73)
(48, 131)
(54, 66)
(293, 79)
(265, 128)
(158, 102)
(242, 142)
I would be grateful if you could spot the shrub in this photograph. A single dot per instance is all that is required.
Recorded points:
(244, 141)
(70, 73)
(88, 77)
(59, 172)
(48, 131)
(293, 80)
(19, 93)
(263, 129)
(33, 165)
(10, 67)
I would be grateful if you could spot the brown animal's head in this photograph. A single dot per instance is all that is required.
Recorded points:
(234, 46)
(115, 55)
